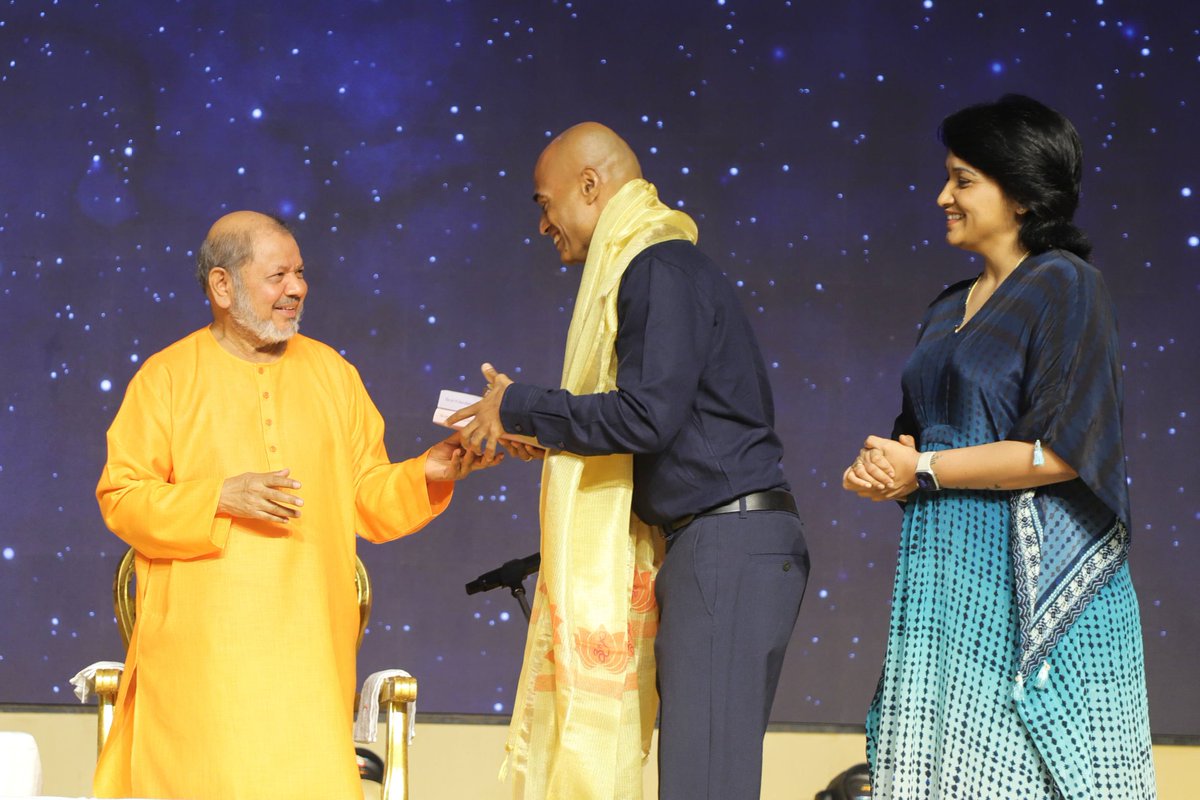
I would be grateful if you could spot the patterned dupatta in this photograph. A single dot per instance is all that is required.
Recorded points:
(586, 700)
(1067, 540)
(1052, 593)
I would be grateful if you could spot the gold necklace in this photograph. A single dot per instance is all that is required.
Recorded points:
(967, 303)
(971, 291)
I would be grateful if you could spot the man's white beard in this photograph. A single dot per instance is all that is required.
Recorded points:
(265, 330)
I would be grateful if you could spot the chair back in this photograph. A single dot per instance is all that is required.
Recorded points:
(125, 597)
(20, 765)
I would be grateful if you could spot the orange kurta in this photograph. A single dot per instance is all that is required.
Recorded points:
(240, 675)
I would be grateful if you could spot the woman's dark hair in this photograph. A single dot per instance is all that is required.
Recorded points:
(1034, 154)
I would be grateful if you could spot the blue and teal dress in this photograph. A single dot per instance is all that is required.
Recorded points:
(1014, 664)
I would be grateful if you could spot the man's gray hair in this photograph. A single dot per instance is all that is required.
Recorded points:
(232, 250)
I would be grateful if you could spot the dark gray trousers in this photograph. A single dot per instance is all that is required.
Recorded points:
(728, 593)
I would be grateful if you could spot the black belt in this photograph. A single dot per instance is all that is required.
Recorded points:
(772, 500)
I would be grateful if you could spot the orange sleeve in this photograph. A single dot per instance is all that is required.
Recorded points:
(138, 499)
(391, 500)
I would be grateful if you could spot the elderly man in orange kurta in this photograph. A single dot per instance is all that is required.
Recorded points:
(241, 464)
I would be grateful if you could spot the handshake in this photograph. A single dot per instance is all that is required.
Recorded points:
(477, 419)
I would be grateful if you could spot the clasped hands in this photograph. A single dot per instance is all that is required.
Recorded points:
(481, 435)
(885, 469)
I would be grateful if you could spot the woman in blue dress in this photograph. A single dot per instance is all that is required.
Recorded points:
(1014, 664)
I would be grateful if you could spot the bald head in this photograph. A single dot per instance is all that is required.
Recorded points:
(575, 177)
(590, 144)
(244, 222)
(230, 242)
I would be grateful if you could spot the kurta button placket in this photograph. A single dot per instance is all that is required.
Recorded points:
(267, 414)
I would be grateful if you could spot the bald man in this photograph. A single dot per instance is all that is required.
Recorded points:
(663, 369)
(241, 463)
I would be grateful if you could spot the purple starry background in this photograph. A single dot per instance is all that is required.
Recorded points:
(399, 138)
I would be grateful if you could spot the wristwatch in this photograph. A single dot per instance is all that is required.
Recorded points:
(926, 478)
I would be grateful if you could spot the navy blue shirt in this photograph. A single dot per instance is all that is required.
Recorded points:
(693, 404)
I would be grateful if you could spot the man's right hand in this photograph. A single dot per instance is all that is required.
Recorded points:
(483, 432)
(258, 495)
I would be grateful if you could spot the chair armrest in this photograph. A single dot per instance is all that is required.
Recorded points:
(395, 696)
(103, 679)
(108, 684)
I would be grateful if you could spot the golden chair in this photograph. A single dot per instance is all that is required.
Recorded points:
(394, 696)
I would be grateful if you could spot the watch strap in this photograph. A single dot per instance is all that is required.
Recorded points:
(926, 477)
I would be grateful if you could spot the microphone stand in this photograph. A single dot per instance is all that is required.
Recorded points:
(518, 592)
(511, 575)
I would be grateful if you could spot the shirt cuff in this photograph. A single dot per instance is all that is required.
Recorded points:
(438, 493)
(218, 534)
(516, 408)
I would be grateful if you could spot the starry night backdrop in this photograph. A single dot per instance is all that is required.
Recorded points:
(398, 138)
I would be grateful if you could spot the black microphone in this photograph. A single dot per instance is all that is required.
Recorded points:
(509, 574)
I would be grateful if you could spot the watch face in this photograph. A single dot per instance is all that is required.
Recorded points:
(925, 482)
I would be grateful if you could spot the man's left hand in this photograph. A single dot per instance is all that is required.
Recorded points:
(449, 461)
(481, 435)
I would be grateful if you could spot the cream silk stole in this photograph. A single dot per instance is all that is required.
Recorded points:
(586, 702)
